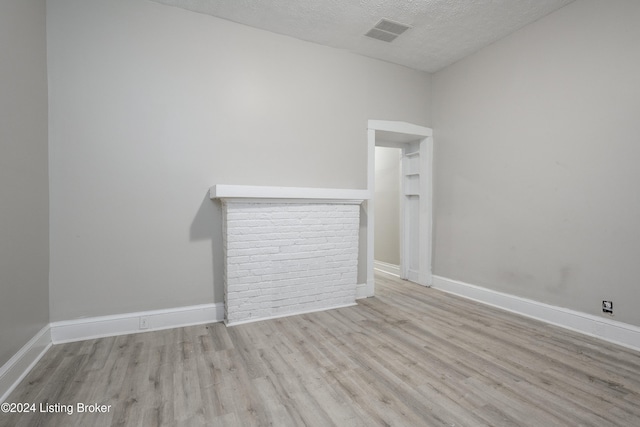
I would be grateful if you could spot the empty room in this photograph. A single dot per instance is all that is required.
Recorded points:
(318, 212)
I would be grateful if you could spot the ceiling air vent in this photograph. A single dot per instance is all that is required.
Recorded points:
(387, 30)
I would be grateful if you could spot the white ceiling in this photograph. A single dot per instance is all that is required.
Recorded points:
(443, 32)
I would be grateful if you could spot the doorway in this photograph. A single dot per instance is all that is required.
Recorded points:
(416, 145)
(387, 195)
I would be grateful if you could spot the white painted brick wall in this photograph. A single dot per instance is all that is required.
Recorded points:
(288, 258)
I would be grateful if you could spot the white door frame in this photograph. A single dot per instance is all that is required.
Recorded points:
(397, 134)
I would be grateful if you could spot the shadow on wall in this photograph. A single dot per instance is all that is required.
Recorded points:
(207, 225)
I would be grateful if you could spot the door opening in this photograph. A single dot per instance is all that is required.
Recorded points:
(388, 162)
(416, 144)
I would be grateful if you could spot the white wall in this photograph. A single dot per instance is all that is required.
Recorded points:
(150, 105)
(536, 157)
(24, 189)
(387, 206)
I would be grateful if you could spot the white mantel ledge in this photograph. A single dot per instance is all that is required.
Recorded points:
(289, 194)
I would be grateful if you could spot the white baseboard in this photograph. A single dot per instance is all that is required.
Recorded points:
(609, 330)
(129, 323)
(260, 319)
(16, 368)
(387, 268)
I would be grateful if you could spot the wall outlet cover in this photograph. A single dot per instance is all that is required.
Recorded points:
(144, 323)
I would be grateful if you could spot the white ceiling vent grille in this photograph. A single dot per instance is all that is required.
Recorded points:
(387, 30)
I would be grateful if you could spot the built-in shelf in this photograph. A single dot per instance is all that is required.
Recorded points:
(411, 174)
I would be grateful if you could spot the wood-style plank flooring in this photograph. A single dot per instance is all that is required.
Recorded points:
(411, 356)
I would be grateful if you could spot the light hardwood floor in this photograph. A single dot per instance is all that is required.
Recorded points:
(411, 356)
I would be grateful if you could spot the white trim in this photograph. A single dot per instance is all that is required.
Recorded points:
(129, 323)
(400, 127)
(361, 290)
(279, 316)
(609, 330)
(16, 368)
(414, 276)
(291, 201)
(425, 277)
(387, 268)
(221, 191)
(368, 219)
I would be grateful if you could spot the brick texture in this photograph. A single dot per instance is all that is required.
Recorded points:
(286, 258)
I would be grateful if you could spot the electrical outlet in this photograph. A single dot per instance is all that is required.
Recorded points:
(144, 323)
(607, 307)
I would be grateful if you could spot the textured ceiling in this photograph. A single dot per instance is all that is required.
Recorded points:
(443, 32)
